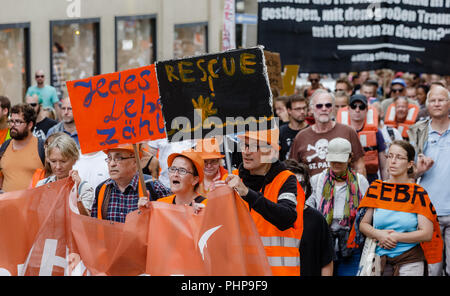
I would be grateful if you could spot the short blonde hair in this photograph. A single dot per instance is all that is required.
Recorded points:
(66, 145)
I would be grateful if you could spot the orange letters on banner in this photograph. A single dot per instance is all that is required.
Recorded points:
(410, 198)
(117, 108)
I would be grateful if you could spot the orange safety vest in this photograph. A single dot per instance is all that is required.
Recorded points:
(389, 118)
(225, 174)
(282, 247)
(404, 197)
(367, 136)
(101, 197)
(38, 175)
(169, 199)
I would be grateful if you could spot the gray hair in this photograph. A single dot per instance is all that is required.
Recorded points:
(431, 88)
(319, 92)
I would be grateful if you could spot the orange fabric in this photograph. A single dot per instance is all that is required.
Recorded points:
(367, 136)
(38, 175)
(410, 198)
(4, 135)
(267, 229)
(222, 240)
(101, 197)
(390, 118)
(169, 199)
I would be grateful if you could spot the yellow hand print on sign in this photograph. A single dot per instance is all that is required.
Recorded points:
(205, 106)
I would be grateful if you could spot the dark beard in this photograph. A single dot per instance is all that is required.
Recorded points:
(19, 136)
(298, 121)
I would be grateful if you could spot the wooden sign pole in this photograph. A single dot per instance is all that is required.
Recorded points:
(141, 174)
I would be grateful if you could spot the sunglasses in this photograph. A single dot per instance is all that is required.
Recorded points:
(314, 80)
(327, 105)
(33, 104)
(360, 107)
(397, 90)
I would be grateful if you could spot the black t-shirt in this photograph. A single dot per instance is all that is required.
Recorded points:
(316, 247)
(287, 136)
(42, 127)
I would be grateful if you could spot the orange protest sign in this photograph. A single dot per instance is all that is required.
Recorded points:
(289, 79)
(117, 108)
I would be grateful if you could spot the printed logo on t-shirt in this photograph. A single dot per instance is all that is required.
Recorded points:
(320, 150)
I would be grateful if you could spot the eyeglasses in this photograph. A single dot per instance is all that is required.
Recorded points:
(314, 80)
(33, 104)
(360, 106)
(327, 105)
(117, 159)
(254, 147)
(398, 157)
(15, 122)
(39, 76)
(181, 171)
(397, 90)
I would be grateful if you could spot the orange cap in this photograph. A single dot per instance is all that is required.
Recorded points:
(194, 157)
(126, 147)
(270, 137)
(208, 148)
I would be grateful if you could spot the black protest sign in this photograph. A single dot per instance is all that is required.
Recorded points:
(331, 36)
(214, 94)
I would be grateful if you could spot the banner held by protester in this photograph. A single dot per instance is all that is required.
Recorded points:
(43, 234)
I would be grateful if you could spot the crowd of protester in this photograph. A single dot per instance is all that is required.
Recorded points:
(310, 173)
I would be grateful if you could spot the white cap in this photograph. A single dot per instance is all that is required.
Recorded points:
(339, 150)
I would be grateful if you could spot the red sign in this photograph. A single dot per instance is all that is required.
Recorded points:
(117, 108)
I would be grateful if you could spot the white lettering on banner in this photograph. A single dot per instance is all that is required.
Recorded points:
(49, 258)
(204, 238)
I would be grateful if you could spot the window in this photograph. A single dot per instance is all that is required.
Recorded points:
(135, 41)
(14, 61)
(190, 40)
(75, 51)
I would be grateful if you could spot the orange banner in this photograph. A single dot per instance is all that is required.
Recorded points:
(117, 108)
(406, 197)
(42, 234)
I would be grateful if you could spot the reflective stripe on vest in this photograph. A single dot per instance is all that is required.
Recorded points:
(282, 247)
(284, 261)
(280, 241)
(101, 197)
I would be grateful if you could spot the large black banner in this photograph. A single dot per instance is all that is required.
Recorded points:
(330, 36)
(214, 94)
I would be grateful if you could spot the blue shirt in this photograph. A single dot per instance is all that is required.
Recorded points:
(60, 128)
(47, 95)
(435, 179)
(397, 221)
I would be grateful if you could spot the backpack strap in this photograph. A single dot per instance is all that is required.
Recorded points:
(4, 147)
(41, 150)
